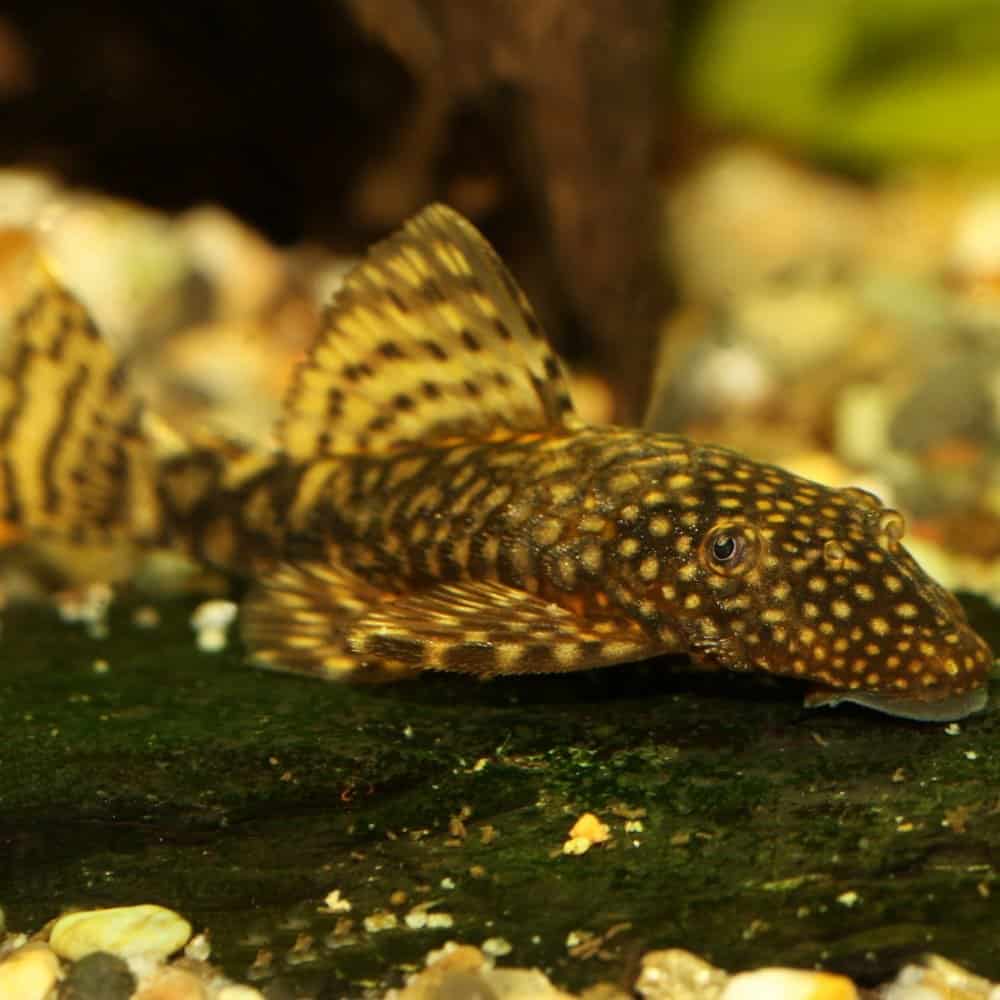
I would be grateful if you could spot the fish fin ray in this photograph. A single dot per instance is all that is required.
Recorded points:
(489, 629)
(429, 340)
(73, 459)
(326, 622)
(297, 616)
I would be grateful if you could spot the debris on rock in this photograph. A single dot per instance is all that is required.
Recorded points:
(211, 621)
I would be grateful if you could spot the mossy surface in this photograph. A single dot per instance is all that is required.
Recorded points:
(771, 833)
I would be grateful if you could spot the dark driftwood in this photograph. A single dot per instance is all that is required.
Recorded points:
(581, 126)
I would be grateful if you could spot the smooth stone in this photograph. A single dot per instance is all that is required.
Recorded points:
(676, 974)
(938, 979)
(237, 992)
(121, 930)
(98, 976)
(29, 973)
(172, 984)
(789, 984)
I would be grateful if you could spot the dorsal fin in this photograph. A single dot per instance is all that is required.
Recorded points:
(428, 340)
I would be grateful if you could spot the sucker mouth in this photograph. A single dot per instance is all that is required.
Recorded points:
(947, 709)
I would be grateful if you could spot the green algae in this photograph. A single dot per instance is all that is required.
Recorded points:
(769, 833)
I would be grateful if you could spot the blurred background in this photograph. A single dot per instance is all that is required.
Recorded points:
(769, 224)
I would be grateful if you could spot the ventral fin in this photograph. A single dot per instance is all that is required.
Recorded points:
(313, 619)
(429, 340)
(73, 461)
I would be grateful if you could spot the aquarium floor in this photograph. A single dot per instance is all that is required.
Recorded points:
(744, 827)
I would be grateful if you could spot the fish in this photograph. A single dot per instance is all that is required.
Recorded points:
(431, 501)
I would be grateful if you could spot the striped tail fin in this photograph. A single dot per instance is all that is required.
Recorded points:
(73, 461)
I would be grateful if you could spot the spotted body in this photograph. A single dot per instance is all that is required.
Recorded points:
(435, 503)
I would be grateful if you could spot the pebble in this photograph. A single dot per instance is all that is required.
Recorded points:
(172, 984)
(788, 984)
(380, 921)
(147, 935)
(521, 984)
(590, 827)
(464, 971)
(577, 845)
(976, 248)
(675, 974)
(199, 948)
(88, 606)
(98, 976)
(211, 621)
(939, 979)
(29, 973)
(586, 831)
(123, 930)
(235, 992)
(496, 947)
(336, 903)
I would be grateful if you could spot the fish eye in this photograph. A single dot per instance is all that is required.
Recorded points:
(730, 549)
(724, 548)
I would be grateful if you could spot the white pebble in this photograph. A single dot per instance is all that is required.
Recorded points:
(199, 948)
(122, 930)
(211, 620)
(789, 984)
(235, 992)
(496, 947)
(335, 903)
(975, 251)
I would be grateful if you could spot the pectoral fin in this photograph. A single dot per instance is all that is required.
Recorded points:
(489, 629)
(298, 616)
(324, 622)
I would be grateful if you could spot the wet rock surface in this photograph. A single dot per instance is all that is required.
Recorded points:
(292, 819)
